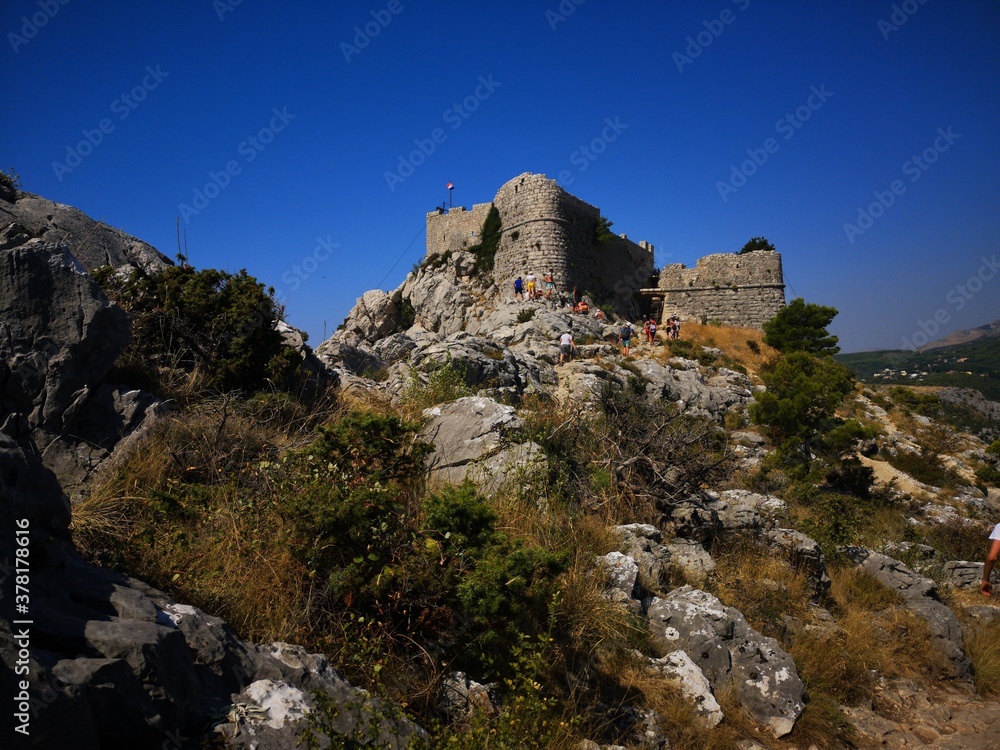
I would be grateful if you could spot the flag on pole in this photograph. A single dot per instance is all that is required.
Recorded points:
(450, 186)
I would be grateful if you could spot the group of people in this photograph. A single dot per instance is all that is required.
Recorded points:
(528, 288)
(672, 327)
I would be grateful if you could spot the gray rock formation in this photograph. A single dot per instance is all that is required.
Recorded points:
(919, 595)
(727, 650)
(804, 554)
(58, 338)
(93, 243)
(472, 439)
(678, 666)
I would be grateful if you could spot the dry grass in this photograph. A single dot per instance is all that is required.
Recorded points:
(881, 635)
(733, 342)
(982, 643)
(762, 585)
(684, 728)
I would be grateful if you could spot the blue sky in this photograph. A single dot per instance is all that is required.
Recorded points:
(692, 125)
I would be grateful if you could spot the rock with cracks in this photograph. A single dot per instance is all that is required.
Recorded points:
(721, 643)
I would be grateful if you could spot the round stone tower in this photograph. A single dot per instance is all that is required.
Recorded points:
(544, 227)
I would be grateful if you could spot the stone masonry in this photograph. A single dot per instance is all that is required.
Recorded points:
(455, 230)
(544, 227)
(737, 290)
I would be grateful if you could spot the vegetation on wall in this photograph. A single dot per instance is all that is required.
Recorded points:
(756, 244)
(486, 249)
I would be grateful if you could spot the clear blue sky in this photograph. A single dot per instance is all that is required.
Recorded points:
(182, 88)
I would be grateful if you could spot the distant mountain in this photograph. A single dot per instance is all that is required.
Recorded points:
(972, 364)
(990, 330)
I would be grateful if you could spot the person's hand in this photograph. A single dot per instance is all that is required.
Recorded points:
(985, 588)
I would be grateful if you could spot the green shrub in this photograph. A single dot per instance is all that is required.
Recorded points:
(525, 314)
(445, 382)
(209, 324)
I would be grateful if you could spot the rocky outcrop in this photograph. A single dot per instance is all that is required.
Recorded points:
(728, 651)
(919, 595)
(59, 336)
(93, 243)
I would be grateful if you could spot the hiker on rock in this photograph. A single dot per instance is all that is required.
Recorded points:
(519, 289)
(566, 346)
(625, 338)
(550, 283)
(530, 281)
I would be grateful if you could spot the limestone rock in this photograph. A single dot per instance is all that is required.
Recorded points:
(963, 574)
(693, 684)
(92, 243)
(622, 574)
(375, 315)
(59, 336)
(464, 432)
(726, 649)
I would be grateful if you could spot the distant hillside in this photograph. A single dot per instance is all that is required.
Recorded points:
(990, 330)
(973, 364)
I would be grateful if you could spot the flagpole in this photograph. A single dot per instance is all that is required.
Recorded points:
(451, 187)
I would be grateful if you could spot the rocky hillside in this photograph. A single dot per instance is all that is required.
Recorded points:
(502, 549)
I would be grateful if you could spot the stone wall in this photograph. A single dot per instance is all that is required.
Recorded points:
(456, 229)
(737, 290)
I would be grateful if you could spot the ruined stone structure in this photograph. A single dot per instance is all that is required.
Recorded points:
(738, 290)
(544, 227)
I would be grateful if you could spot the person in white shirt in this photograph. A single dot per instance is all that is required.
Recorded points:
(566, 347)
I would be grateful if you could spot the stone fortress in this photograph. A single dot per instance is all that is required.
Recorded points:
(544, 227)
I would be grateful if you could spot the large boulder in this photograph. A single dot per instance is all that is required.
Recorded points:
(91, 242)
(472, 439)
(375, 315)
(728, 651)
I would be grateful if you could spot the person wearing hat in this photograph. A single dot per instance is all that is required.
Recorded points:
(566, 346)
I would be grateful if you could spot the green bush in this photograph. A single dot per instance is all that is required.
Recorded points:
(526, 314)
(209, 324)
